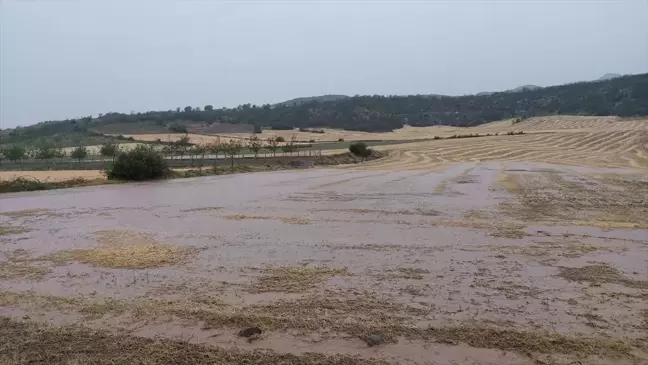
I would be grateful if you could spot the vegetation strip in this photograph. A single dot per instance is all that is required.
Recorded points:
(33, 343)
(361, 317)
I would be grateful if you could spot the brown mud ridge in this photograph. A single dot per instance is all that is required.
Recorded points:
(481, 263)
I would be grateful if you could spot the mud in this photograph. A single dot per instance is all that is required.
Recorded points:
(438, 254)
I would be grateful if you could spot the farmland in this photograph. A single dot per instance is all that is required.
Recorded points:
(523, 249)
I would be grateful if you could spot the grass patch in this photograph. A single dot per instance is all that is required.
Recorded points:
(82, 346)
(125, 250)
(510, 182)
(5, 230)
(205, 209)
(461, 224)
(366, 246)
(424, 212)
(21, 271)
(545, 249)
(22, 183)
(512, 231)
(440, 189)
(294, 279)
(290, 220)
(599, 274)
(358, 316)
(412, 272)
(28, 213)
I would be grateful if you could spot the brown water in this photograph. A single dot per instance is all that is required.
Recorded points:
(374, 223)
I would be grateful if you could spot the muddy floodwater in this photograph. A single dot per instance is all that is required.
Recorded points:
(478, 263)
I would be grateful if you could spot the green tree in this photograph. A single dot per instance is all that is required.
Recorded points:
(359, 149)
(109, 149)
(140, 163)
(209, 108)
(15, 153)
(255, 144)
(178, 128)
(45, 152)
(187, 109)
(79, 153)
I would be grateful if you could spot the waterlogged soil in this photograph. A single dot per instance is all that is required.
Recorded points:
(322, 259)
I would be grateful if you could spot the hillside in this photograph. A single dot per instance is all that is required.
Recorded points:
(609, 76)
(304, 100)
(620, 96)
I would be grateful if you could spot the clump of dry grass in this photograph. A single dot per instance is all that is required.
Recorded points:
(80, 346)
(22, 271)
(599, 274)
(204, 209)
(510, 182)
(423, 212)
(460, 224)
(293, 279)
(366, 246)
(545, 249)
(440, 189)
(412, 272)
(28, 213)
(531, 341)
(5, 230)
(291, 220)
(514, 231)
(125, 250)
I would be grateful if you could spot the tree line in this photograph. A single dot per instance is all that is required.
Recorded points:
(182, 147)
(623, 96)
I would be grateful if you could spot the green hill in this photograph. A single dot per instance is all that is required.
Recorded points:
(623, 96)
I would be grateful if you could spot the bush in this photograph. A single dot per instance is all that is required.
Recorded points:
(141, 163)
(110, 149)
(359, 149)
(280, 139)
(178, 128)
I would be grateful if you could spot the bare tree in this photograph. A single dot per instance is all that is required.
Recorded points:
(272, 145)
(233, 148)
(255, 144)
(215, 147)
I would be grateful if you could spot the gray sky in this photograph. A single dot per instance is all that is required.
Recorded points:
(65, 59)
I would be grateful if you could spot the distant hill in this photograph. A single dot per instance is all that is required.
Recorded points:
(623, 96)
(524, 88)
(609, 76)
(308, 99)
(517, 89)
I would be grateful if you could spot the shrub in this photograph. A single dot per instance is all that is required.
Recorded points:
(341, 140)
(359, 149)
(110, 149)
(141, 163)
(79, 153)
(178, 128)
(280, 139)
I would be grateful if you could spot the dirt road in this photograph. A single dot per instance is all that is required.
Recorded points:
(478, 263)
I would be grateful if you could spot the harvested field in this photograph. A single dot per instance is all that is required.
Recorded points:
(516, 261)
(53, 175)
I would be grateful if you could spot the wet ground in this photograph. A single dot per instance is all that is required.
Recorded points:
(480, 263)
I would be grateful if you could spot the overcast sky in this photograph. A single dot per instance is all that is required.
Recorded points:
(63, 59)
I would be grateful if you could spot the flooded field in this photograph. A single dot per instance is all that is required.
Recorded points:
(476, 263)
